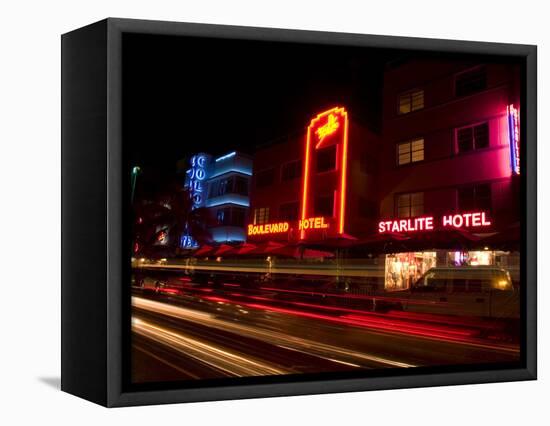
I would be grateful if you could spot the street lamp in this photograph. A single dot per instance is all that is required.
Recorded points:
(135, 172)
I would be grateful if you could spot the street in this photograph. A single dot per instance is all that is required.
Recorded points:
(188, 331)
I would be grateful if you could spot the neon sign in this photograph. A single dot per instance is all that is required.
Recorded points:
(327, 129)
(280, 227)
(513, 134)
(188, 242)
(426, 223)
(195, 179)
(268, 228)
(331, 122)
(312, 223)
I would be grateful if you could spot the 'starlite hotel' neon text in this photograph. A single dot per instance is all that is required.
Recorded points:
(463, 220)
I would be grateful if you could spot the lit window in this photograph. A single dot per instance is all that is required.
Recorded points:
(410, 205)
(470, 82)
(261, 216)
(410, 101)
(410, 152)
(472, 137)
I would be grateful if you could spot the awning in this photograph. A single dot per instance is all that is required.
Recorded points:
(223, 249)
(246, 248)
(203, 251)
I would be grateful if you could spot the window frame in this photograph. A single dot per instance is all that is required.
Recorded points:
(410, 205)
(472, 126)
(287, 164)
(265, 215)
(325, 149)
(410, 94)
(476, 206)
(457, 75)
(410, 153)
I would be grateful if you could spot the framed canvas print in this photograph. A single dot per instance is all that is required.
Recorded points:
(252, 212)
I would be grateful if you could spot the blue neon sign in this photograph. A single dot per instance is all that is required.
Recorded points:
(196, 175)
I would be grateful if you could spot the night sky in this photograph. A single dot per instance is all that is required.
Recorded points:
(183, 95)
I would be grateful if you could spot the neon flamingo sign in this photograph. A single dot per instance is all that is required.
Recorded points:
(327, 129)
(330, 127)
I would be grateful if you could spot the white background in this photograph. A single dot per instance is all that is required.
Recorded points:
(30, 210)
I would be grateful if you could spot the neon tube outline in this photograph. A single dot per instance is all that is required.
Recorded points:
(343, 176)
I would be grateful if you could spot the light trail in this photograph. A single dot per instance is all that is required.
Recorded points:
(306, 346)
(218, 357)
(329, 270)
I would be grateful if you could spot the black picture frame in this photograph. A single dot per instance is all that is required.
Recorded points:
(94, 307)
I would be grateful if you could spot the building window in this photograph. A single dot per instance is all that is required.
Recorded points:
(470, 82)
(368, 209)
(289, 211)
(474, 198)
(230, 185)
(222, 216)
(240, 185)
(410, 205)
(261, 216)
(292, 170)
(230, 216)
(410, 101)
(265, 178)
(472, 137)
(238, 216)
(324, 205)
(326, 159)
(410, 152)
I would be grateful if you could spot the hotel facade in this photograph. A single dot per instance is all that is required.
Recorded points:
(437, 186)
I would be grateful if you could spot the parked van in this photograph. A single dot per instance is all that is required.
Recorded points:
(479, 291)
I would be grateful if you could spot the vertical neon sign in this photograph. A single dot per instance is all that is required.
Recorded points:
(196, 176)
(327, 128)
(513, 135)
(195, 184)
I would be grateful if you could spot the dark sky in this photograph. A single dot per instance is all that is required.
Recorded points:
(183, 95)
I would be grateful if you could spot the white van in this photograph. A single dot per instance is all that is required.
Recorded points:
(478, 291)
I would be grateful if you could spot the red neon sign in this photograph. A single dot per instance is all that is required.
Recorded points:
(333, 123)
(426, 223)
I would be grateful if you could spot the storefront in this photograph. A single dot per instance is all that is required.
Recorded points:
(402, 270)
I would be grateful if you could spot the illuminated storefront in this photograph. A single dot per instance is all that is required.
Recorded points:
(402, 270)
